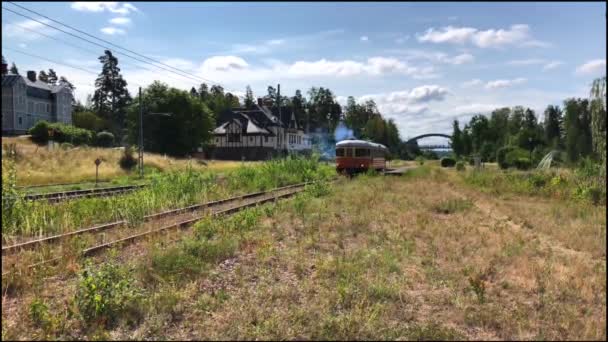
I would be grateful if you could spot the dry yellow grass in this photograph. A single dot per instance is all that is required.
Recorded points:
(39, 165)
(375, 259)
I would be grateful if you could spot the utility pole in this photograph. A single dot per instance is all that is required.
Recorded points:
(141, 136)
(280, 115)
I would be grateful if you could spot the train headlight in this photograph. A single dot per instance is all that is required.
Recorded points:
(361, 165)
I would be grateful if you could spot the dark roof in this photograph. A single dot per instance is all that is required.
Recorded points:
(37, 89)
(9, 80)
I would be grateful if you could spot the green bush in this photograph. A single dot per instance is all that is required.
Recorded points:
(501, 156)
(420, 160)
(40, 132)
(107, 294)
(104, 139)
(460, 166)
(447, 162)
(127, 161)
(71, 134)
(522, 163)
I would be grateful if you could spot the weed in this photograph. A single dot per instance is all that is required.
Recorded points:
(478, 286)
(107, 294)
(452, 206)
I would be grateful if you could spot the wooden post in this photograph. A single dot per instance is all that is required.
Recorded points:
(97, 162)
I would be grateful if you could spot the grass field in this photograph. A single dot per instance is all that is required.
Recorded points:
(37, 165)
(423, 256)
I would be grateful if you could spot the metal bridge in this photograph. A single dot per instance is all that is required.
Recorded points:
(428, 135)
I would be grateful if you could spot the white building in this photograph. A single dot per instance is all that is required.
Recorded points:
(27, 100)
(258, 133)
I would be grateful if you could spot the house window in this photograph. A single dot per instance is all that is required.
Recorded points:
(266, 139)
(48, 108)
(250, 139)
(299, 140)
(20, 121)
(217, 140)
(234, 137)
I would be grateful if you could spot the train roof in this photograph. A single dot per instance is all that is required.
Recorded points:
(359, 143)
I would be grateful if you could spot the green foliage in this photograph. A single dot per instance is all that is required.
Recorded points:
(66, 146)
(127, 160)
(478, 286)
(107, 294)
(104, 139)
(187, 127)
(460, 166)
(522, 163)
(447, 162)
(88, 120)
(501, 156)
(40, 132)
(420, 160)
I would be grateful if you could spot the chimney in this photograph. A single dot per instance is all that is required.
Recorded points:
(4, 68)
(260, 102)
(31, 75)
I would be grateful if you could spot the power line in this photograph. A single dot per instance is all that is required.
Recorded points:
(91, 42)
(107, 42)
(83, 49)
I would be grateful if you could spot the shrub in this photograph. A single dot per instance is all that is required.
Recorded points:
(460, 166)
(522, 163)
(127, 161)
(71, 134)
(66, 146)
(87, 120)
(40, 132)
(501, 156)
(104, 139)
(420, 160)
(106, 294)
(447, 162)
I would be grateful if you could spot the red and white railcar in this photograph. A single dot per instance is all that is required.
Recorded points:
(353, 156)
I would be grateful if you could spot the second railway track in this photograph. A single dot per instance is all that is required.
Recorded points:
(119, 233)
(74, 194)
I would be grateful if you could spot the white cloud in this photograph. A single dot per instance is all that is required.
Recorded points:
(120, 21)
(403, 102)
(402, 39)
(275, 42)
(471, 83)
(461, 59)
(224, 64)
(364, 38)
(24, 30)
(475, 108)
(526, 61)
(498, 84)
(516, 35)
(113, 7)
(552, 65)
(113, 30)
(593, 67)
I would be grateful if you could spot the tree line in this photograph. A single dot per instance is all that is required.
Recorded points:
(578, 128)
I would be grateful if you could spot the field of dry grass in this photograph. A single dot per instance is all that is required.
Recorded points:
(422, 256)
(39, 165)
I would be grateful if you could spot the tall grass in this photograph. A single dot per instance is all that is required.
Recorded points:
(165, 191)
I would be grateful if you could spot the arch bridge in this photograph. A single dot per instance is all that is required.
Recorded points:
(429, 135)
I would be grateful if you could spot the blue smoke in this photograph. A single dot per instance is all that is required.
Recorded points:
(342, 132)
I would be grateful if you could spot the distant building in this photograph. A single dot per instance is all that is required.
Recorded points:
(26, 100)
(258, 133)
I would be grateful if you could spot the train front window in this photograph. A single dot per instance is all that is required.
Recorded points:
(339, 152)
(349, 152)
(362, 152)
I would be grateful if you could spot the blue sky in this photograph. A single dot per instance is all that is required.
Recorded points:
(423, 63)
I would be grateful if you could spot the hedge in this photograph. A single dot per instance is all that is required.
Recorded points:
(104, 139)
(61, 133)
(447, 162)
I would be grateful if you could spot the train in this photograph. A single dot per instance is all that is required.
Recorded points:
(355, 156)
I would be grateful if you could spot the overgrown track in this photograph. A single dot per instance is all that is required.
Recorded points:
(66, 195)
(220, 207)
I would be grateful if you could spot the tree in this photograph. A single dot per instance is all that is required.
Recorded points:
(52, 77)
(480, 131)
(499, 126)
(552, 126)
(111, 96)
(298, 103)
(193, 92)
(467, 142)
(516, 120)
(457, 143)
(577, 128)
(43, 77)
(203, 92)
(249, 100)
(271, 98)
(188, 127)
(87, 120)
(14, 69)
(598, 120)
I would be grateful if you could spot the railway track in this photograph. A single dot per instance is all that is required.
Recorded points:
(119, 234)
(74, 194)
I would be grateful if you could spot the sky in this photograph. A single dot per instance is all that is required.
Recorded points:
(424, 64)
